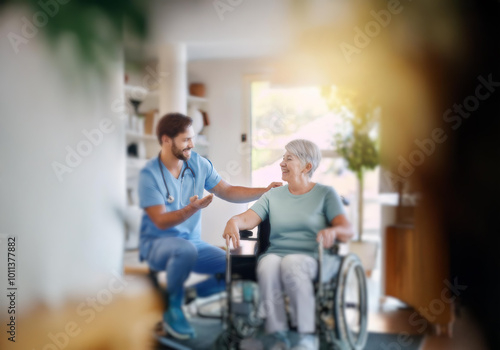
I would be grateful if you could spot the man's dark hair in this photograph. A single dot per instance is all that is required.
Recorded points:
(172, 124)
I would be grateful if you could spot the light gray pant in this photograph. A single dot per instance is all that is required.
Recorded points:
(293, 275)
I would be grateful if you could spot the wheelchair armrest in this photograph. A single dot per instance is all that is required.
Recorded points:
(246, 235)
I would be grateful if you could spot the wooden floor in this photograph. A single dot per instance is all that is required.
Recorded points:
(386, 315)
(395, 319)
(389, 315)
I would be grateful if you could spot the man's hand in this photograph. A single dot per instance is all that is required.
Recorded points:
(231, 232)
(273, 185)
(328, 236)
(201, 203)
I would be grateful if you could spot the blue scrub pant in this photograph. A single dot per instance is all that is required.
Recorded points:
(179, 257)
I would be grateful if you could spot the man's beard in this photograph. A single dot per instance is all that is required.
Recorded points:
(177, 152)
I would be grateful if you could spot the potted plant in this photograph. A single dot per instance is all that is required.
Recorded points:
(356, 141)
(359, 149)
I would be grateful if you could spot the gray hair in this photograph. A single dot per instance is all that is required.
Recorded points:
(307, 152)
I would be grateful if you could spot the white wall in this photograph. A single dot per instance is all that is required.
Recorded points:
(69, 230)
(224, 81)
(244, 29)
(239, 28)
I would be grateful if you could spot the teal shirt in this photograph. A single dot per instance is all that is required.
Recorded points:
(296, 219)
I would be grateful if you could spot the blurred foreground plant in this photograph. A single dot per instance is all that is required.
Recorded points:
(95, 27)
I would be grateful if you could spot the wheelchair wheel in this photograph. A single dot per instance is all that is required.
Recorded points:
(351, 304)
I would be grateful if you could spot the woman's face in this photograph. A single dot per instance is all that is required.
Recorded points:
(291, 167)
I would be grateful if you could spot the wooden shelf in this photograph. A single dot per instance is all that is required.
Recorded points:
(134, 136)
(196, 99)
(136, 163)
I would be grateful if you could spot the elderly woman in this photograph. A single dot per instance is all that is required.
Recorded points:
(301, 214)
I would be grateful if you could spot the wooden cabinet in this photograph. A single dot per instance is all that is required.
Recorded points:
(400, 279)
(416, 272)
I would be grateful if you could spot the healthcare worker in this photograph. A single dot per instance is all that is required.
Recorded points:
(171, 193)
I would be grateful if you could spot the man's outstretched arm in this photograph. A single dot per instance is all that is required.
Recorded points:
(164, 219)
(240, 194)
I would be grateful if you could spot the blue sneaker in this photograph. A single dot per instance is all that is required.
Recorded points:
(174, 320)
(176, 324)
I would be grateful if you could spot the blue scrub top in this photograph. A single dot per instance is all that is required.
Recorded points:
(152, 192)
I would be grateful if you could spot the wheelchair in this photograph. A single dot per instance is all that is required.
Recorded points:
(340, 293)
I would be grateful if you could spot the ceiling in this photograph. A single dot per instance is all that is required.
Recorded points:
(230, 29)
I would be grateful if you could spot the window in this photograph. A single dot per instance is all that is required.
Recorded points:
(279, 115)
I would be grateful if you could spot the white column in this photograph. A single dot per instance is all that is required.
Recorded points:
(173, 80)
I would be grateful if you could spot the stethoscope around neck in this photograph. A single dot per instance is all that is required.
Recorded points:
(170, 198)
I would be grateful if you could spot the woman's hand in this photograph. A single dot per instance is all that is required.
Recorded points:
(328, 236)
(232, 232)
